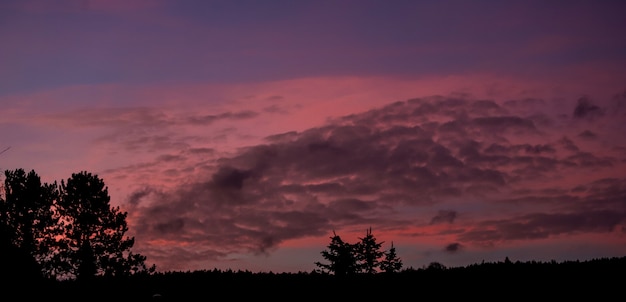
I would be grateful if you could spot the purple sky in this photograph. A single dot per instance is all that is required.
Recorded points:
(240, 134)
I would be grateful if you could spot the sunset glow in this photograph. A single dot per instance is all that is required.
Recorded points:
(242, 134)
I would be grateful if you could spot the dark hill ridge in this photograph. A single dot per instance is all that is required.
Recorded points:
(598, 279)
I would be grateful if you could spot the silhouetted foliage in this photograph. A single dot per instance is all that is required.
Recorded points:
(364, 256)
(596, 280)
(16, 264)
(391, 263)
(368, 253)
(26, 213)
(436, 266)
(341, 256)
(64, 232)
(97, 250)
(94, 243)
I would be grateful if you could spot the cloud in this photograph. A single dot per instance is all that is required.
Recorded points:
(568, 144)
(541, 225)
(229, 178)
(382, 168)
(144, 117)
(147, 129)
(585, 109)
(587, 134)
(453, 247)
(444, 216)
(209, 119)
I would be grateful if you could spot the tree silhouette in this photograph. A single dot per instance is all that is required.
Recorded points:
(391, 263)
(341, 257)
(363, 257)
(369, 253)
(94, 243)
(28, 221)
(436, 266)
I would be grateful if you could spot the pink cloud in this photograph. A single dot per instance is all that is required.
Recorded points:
(351, 173)
(334, 153)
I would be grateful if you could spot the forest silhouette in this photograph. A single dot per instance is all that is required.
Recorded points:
(65, 242)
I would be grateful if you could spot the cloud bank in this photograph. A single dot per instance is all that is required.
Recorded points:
(462, 173)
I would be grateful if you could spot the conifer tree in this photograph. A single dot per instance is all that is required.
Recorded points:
(391, 263)
(369, 253)
(341, 257)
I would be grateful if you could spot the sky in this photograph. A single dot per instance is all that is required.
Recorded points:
(241, 134)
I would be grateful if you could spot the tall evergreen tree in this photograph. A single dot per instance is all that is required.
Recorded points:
(369, 253)
(27, 217)
(94, 240)
(391, 263)
(341, 257)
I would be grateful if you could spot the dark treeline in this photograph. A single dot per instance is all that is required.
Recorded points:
(65, 242)
(598, 279)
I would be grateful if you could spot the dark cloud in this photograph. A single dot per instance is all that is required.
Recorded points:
(282, 137)
(170, 158)
(579, 188)
(140, 117)
(503, 123)
(382, 168)
(544, 225)
(587, 135)
(568, 144)
(486, 107)
(444, 216)
(598, 207)
(276, 109)
(151, 130)
(525, 103)
(453, 247)
(228, 177)
(209, 119)
(201, 151)
(136, 196)
(588, 159)
(516, 149)
(585, 109)
(171, 226)
(136, 141)
(537, 149)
